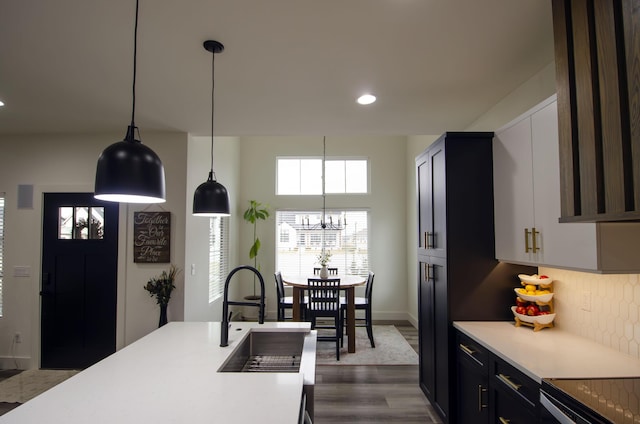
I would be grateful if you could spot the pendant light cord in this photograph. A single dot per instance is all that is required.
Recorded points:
(132, 127)
(213, 86)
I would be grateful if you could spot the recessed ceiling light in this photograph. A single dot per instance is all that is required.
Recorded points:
(366, 99)
(1, 103)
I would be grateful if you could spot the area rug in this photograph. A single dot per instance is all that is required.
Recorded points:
(391, 349)
(30, 383)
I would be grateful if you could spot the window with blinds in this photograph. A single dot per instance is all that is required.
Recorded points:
(299, 241)
(1, 248)
(218, 255)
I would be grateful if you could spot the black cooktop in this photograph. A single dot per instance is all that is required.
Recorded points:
(616, 399)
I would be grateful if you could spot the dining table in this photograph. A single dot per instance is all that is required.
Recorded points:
(348, 283)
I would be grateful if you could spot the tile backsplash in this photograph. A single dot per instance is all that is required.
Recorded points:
(602, 307)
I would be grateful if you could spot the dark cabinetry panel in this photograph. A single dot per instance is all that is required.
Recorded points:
(491, 390)
(459, 277)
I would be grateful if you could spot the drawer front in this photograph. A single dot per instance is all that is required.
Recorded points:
(509, 379)
(470, 351)
(507, 411)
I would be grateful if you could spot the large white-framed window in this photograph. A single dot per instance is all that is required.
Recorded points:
(300, 238)
(303, 176)
(2, 196)
(218, 255)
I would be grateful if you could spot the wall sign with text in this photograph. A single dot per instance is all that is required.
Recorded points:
(152, 237)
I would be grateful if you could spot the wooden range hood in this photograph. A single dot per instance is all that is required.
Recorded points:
(597, 51)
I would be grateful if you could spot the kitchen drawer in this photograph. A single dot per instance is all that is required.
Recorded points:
(471, 351)
(506, 377)
(507, 411)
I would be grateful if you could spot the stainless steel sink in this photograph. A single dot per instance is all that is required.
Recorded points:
(279, 351)
(271, 351)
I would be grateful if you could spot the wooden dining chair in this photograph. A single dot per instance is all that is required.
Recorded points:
(285, 302)
(361, 303)
(324, 302)
(332, 271)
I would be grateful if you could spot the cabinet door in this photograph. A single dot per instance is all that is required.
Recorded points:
(513, 191)
(567, 245)
(426, 330)
(432, 206)
(437, 240)
(423, 197)
(473, 382)
(434, 333)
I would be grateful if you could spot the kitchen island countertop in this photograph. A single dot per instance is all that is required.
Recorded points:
(170, 376)
(550, 353)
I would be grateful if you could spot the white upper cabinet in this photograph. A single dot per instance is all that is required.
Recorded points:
(527, 204)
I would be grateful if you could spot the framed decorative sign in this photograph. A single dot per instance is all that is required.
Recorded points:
(152, 237)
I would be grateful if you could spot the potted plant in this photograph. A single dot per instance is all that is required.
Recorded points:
(161, 287)
(255, 212)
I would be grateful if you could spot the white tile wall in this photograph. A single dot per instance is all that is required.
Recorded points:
(601, 307)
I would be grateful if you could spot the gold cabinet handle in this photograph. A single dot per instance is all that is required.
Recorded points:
(426, 240)
(505, 379)
(429, 240)
(535, 239)
(481, 405)
(526, 240)
(466, 349)
(504, 420)
(429, 272)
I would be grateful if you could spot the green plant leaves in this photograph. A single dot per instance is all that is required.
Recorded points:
(253, 252)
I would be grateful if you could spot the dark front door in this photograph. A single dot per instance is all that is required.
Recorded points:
(79, 280)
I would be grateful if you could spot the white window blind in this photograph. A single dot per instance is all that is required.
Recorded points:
(218, 255)
(1, 248)
(300, 238)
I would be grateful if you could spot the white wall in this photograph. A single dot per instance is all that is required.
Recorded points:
(226, 157)
(66, 163)
(387, 203)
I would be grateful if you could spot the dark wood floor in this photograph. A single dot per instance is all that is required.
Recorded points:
(360, 393)
(372, 394)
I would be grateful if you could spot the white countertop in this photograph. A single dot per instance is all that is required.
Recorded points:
(550, 352)
(170, 376)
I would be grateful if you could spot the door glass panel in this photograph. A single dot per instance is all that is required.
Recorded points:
(65, 227)
(81, 223)
(96, 224)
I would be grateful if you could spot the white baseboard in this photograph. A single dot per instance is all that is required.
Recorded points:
(11, 363)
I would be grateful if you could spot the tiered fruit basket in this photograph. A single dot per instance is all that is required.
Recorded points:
(534, 302)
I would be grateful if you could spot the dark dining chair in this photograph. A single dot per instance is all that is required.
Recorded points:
(332, 271)
(285, 302)
(362, 303)
(324, 302)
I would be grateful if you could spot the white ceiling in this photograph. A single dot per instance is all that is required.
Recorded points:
(290, 67)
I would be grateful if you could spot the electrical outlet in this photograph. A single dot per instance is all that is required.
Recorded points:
(586, 301)
(17, 337)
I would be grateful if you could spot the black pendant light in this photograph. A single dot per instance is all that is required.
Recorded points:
(129, 171)
(211, 198)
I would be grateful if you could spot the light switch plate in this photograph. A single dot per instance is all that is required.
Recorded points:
(22, 271)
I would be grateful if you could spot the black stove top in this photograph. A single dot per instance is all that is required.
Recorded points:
(616, 399)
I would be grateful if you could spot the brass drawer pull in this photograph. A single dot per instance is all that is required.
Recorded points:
(429, 240)
(467, 350)
(504, 420)
(505, 379)
(481, 405)
(526, 240)
(534, 238)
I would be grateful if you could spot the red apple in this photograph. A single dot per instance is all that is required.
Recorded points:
(521, 302)
(533, 310)
(521, 310)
